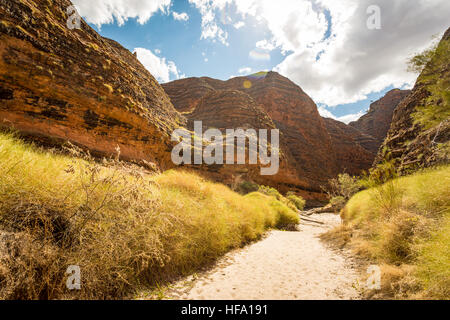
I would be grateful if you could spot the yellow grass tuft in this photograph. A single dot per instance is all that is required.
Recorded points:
(405, 222)
(125, 228)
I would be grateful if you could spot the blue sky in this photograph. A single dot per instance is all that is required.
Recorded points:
(323, 46)
(179, 41)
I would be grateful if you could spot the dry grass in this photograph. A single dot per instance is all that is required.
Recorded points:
(404, 223)
(125, 228)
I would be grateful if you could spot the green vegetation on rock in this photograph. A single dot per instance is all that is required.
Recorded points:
(434, 65)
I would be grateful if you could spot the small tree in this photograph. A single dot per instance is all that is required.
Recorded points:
(341, 189)
(344, 186)
(417, 63)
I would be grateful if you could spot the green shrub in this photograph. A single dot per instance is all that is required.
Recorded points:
(269, 191)
(287, 218)
(338, 202)
(247, 187)
(292, 201)
(298, 201)
(342, 187)
(381, 173)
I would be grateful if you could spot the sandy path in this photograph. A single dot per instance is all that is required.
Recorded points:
(283, 266)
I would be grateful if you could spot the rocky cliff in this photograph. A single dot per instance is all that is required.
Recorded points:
(234, 109)
(307, 160)
(313, 149)
(419, 135)
(59, 84)
(353, 149)
(377, 121)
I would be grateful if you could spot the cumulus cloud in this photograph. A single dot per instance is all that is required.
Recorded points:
(159, 67)
(101, 12)
(333, 56)
(180, 16)
(346, 119)
(239, 24)
(356, 61)
(245, 70)
(350, 117)
(266, 45)
(325, 113)
(259, 55)
(210, 28)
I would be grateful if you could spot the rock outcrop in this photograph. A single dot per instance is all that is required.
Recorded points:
(305, 143)
(230, 109)
(313, 149)
(377, 121)
(415, 144)
(353, 149)
(185, 98)
(58, 84)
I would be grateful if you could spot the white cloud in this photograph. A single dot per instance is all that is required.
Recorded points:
(266, 45)
(245, 70)
(354, 61)
(350, 117)
(294, 23)
(160, 68)
(239, 24)
(210, 29)
(180, 16)
(325, 113)
(101, 12)
(259, 55)
(345, 119)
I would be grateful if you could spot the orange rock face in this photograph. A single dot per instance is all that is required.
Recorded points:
(377, 121)
(313, 149)
(351, 147)
(59, 84)
(225, 109)
(307, 161)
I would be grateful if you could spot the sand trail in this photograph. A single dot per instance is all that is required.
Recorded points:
(283, 266)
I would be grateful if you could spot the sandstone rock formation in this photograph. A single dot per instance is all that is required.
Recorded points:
(307, 162)
(313, 149)
(352, 148)
(59, 84)
(377, 121)
(229, 109)
(411, 144)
